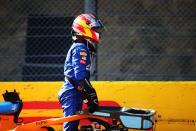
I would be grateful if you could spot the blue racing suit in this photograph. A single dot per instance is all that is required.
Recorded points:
(77, 67)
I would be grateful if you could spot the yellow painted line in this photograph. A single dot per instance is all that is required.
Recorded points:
(42, 113)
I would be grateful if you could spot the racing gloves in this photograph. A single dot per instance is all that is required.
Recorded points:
(90, 93)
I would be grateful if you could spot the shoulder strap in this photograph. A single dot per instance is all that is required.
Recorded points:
(71, 81)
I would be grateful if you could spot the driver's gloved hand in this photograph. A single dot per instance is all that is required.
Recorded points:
(92, 101)
(91, 95)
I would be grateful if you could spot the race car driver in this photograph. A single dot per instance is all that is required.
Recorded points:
(77, 87)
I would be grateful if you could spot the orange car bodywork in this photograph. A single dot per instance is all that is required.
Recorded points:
(37, 126)
(7, 122)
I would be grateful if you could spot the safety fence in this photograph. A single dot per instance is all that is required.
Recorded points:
(143, 40)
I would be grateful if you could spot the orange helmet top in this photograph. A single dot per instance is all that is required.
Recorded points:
(87, 26)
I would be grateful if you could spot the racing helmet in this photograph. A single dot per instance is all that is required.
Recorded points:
(88, 27)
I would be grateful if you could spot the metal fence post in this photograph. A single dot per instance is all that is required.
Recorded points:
(90, 7)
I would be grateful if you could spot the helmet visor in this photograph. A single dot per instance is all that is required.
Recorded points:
(97, 26)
